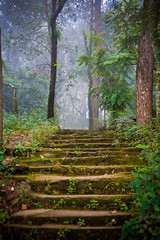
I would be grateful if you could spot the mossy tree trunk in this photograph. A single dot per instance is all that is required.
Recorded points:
(144, 74)
(1, 98)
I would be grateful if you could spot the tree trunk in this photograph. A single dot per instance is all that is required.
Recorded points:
(95, 80)
(1, 99)
(14, 96)
(57, 7)
(158, 93)
(144, 73)
(51, 98)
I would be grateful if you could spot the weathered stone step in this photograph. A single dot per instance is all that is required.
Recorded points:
(73, 170)
(121, 202)
(84, 140)
(85, 145)
(92, 161)
(104, 184)
(50, 216)
(84, 132)
(55, 153)
(57, 232)
(84, 136)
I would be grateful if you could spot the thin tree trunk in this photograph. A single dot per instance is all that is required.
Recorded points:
(1, 98)
(14, 96)
(56, 9)
(51, 98)
(158, 94)
(95, 80)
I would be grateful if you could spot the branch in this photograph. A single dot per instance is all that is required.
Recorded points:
(56, 12)
(10, 85)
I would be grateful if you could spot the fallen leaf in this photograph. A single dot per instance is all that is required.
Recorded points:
(24, 206)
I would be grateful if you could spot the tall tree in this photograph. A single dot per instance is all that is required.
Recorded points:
(95, 81)
(57, 7)
(95, 25)
(1, 98)
(145, 67)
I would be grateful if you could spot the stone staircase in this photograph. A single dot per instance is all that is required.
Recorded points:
(75, 187)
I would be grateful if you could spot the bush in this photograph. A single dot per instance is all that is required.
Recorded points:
(146, 221)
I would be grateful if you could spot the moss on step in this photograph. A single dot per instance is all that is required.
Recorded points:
(83, 202)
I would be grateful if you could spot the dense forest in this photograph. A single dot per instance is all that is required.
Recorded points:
(84, 64)
(86, 69)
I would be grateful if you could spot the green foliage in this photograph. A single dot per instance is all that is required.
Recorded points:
(114, 69)
(72, 185)
(35, 124)
(94, 204)
(2, 165)
(145, 224)
(3, 216)
(128, 128)
(81, 222)
(31, 92)
(62, 233)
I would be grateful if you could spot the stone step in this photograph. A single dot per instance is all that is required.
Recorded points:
(58, 232)
(51, 216)
(84, 140)
(83, 136)
(84, 132)
(92, 161)
(103, 184)
(82, 152)
(76, 186)
(77, 145)
(72, 169)
(121, 202)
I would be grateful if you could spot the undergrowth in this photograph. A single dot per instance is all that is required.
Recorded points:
(35, 124)
(145, 223)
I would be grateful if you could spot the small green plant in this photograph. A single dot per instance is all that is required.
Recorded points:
(72, 185)
(90, 187)
(81, 222)
(48, 188)
(3, 216)
(14, 160)
(38, 205)
(67, 152)
(70, 170)
(83, 169)
(78, 153)
(93, 204)
(61, 202)
(67, 222)
(29, 223)
(62, 233)
(55, 192)
(122, 205)
(116, 143)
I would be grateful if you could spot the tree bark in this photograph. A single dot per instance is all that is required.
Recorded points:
(144, 73)
(1, 99)
(14, 96)
(158, 93)
(95, 80)
(56, 9)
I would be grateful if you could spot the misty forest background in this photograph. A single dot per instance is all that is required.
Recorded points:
(96, 63)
